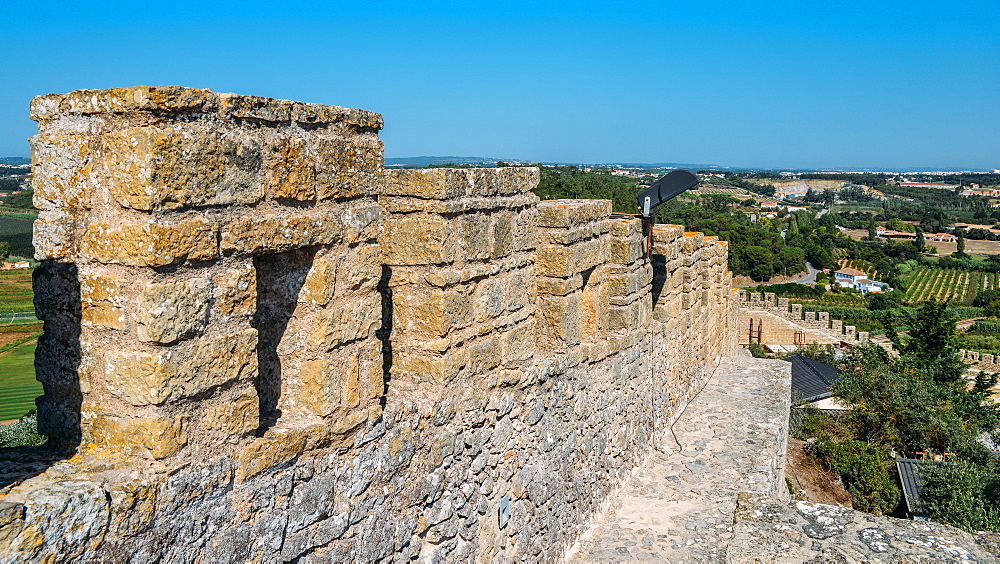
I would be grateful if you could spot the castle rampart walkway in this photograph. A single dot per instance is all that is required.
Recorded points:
(679, 505)
(715, 492)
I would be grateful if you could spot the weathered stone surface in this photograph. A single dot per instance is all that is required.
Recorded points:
(276, 232)
(102, 303)
(156, 378)
(173, 310)
(151, 168)
(149, 437)
(150, 244)
(419, 239)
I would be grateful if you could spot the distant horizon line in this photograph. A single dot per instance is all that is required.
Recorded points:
(432, 159)
(706, 166)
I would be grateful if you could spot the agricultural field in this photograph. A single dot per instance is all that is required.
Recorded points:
(15, 228)
(19, 330)
(18, 387)
(15, 292)
(960, 286)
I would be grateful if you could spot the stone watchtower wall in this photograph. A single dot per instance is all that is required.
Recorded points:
(261, 345)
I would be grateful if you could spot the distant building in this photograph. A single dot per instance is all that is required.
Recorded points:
(941, 237)
(857, 279)
(931, 185)
(22, 264)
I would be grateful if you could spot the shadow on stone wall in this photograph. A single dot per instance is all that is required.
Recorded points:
(279, 279)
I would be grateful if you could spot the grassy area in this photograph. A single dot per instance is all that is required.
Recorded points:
(18, 387)
(15, 228)
(15, 291)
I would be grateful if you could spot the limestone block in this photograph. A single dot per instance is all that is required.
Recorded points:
(290, 173)
(361, 222)
(278, 231)
(623, 318)
(628, 227)
(182, 371)
(171, 311)
(501, 239)
(61, 168)
(320, 282)
(623, 251)
(417, 366)
(562, 262)
(148, 437)
(235, 417)
(347, 168)
(303, 112)
(278, 445)
(502, 181)
(666, 233)
(235, 291)
(837, 326)
(559, 286)
(474, 236)
(255, 107)
(360, 270)
(483, 354)
(519, 343)
(418, 239)
(433, 311)
(574, 234)
(353, 320)
(316, 388)
(52, 235)
(525, 238)
(490, 299)
(433, 183)
(783, 304)
(569, 213)
(101, 302)
(151, 244)
(122, 101)
(561, 318)
(151, 168)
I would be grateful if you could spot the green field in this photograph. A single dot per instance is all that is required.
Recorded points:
(959, 286)
(15, 291)
(18, 387)
(15, 228)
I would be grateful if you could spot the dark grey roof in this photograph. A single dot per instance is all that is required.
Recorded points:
(811, 380)
(909, 477)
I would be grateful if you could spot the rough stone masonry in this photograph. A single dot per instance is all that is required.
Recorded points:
(261, 345)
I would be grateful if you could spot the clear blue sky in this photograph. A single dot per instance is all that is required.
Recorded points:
(879, 83)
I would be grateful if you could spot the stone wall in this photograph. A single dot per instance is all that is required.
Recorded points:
(261, 345)
(784, 323)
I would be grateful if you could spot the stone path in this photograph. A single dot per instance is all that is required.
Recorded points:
(679, 506)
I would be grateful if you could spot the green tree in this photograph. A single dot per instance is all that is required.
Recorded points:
(920, 243)
(918, 400)
(960, 251)
(864, 469)
(964, 494)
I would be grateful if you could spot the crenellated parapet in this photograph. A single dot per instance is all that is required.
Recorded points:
(252, 326)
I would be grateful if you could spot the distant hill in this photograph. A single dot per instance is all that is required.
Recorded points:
(14, 160)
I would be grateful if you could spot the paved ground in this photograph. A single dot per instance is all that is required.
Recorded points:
(679, 506)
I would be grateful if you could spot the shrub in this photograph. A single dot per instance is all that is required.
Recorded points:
(22, 433)
(865, 470)
(757, 350)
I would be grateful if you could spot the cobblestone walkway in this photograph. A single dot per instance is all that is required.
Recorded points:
(679, 506)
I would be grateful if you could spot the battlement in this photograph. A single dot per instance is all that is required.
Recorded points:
(340, 360)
